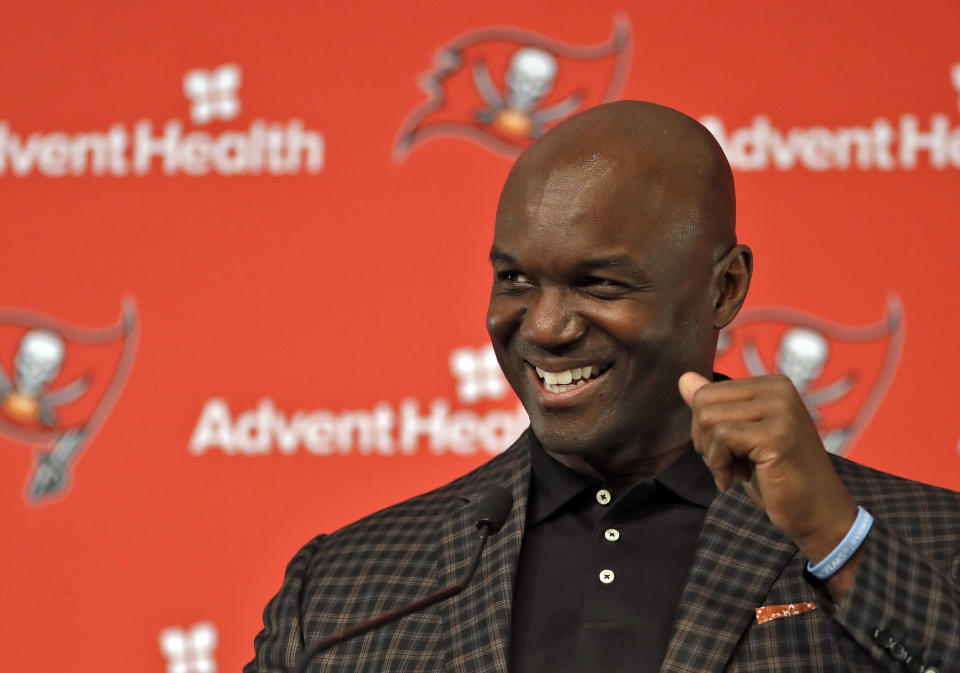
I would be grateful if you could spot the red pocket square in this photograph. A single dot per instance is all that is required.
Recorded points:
(767, 613)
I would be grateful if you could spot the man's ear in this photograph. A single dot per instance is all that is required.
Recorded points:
(732, 280)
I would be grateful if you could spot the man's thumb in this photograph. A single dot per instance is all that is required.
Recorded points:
(689, 384)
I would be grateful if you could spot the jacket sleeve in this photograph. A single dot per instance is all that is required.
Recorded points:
(903, 605)
(280, 642)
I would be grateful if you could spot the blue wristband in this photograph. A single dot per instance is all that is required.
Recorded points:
(847, 547)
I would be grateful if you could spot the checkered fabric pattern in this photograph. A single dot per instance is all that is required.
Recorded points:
(907, 583)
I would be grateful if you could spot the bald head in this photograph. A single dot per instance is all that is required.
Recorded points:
(614, 254)
(645, 159)
(615, 263)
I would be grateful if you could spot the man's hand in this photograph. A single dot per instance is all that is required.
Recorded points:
(759, 431)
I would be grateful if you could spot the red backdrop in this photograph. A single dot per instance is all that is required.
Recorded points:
(244, 305)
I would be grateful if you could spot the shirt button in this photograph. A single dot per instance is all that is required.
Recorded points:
(611, 534)
(606, 576)
(883, 638)
(898, 652)
(604, 497)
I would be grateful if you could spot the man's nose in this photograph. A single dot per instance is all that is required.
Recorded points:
(552, 320)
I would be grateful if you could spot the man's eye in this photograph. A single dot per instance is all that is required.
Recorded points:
(603, 287)
(512, 276)
(594, 281)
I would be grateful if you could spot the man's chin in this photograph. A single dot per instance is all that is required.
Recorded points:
(566, 441)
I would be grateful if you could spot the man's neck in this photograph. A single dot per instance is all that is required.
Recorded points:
(617, 469)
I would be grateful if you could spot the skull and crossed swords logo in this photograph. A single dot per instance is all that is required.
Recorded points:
(31, 402)
(842, 398)
(502, 87)
(529, 78)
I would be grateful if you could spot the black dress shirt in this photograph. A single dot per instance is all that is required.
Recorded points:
(602, 567)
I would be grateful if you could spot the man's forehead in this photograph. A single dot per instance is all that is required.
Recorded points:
(576, 187)
(619, 175)
(597, 197)
(585, 175)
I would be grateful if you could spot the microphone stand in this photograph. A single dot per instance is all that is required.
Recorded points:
(486, 527)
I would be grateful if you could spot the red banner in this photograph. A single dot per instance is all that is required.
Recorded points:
(244, 263)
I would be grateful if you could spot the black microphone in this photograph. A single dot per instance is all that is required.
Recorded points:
(492, 511)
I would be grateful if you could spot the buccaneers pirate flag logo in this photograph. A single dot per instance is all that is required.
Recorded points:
(504, 87)
(842, 372)
(58, 383)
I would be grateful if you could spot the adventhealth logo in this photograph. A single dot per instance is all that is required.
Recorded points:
(190, 650)
(478, 374)
(883, 144)
(272, 148)
(213, 95)
(386, 429)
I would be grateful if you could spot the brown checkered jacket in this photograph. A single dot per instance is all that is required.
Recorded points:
(907, 584)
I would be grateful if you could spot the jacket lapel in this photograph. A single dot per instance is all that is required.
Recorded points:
(739, 556)
(477, 627)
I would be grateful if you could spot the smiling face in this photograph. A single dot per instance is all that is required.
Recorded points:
(606, 286)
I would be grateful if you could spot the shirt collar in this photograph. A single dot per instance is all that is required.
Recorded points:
(553, 484)
(689, 478)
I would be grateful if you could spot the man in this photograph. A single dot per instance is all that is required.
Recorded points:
(661, 520)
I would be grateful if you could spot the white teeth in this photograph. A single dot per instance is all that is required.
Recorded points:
(559, 388)
(568, 379)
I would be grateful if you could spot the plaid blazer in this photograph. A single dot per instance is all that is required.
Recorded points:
(907, 584)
